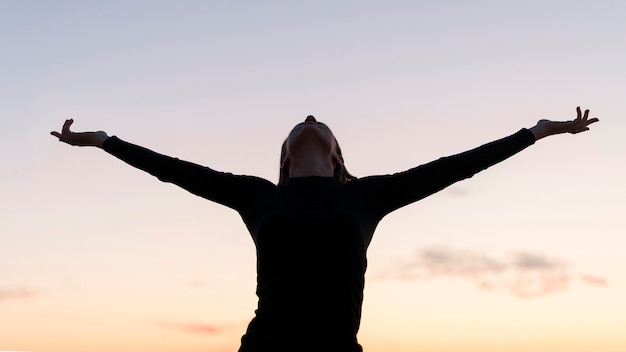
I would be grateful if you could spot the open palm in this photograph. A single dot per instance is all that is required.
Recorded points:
(79, 138)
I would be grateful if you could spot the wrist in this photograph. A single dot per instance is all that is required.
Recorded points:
(538, 131)
(99, 138)
(542, 129)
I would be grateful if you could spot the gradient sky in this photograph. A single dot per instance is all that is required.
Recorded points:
(526, 256)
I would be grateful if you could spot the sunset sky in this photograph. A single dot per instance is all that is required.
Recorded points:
(526, 256)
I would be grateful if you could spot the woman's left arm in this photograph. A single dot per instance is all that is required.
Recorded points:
(545, 128)
(386, 193)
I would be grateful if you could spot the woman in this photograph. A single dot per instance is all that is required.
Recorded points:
(312, 230)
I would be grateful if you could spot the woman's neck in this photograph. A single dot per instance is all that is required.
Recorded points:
(311, 166)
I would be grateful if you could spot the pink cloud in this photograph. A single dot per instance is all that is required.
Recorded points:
(16, 293)
(594, 280)
(523, 274)
(195, 328)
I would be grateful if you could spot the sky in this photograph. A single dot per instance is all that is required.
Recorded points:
(98, 256)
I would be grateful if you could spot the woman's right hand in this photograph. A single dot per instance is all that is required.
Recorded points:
(81, 139)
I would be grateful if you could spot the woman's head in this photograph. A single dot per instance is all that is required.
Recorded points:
(312, 140)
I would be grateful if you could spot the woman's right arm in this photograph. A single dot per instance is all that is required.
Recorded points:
(234, 191)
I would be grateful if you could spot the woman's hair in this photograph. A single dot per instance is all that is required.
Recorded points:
(340, 174)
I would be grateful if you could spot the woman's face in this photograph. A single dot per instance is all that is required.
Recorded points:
(310, 137)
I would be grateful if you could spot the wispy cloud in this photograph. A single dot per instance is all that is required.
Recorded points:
(195, 328)
(16, 293)
(594, 280)
(524, 274)
(457, 191)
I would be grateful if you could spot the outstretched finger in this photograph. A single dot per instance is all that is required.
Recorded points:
(578, 113)
(56, 134)
(66, 126)
(586, 115)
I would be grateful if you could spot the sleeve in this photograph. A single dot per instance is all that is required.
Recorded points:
(234, 191)
(386, 193)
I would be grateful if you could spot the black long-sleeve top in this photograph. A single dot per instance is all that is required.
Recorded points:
(311, 236)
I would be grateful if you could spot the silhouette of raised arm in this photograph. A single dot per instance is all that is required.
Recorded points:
(234, 191)
(390, 192)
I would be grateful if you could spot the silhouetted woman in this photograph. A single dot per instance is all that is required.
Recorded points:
(312, 230)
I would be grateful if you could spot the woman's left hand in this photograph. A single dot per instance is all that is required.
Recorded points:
(546, 128)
